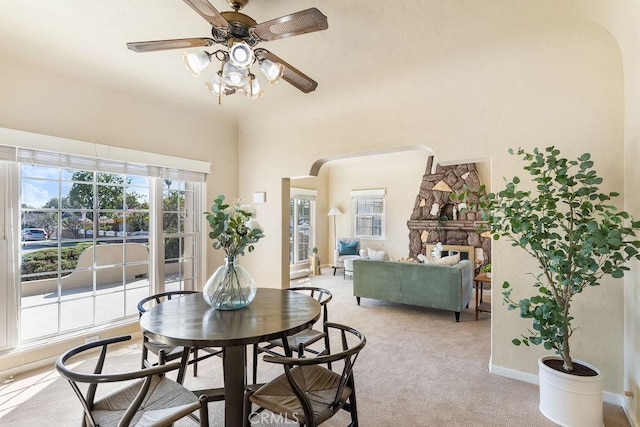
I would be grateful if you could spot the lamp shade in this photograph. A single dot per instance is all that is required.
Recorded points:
(272, 70)
(252, 89)
(334, 211)
(196, 61)
(217, 87)
(233, 76)
(241, 55)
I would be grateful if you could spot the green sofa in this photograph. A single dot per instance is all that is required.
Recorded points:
(428, 285)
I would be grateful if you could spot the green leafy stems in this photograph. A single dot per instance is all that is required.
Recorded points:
(233, 227)
(572, 230)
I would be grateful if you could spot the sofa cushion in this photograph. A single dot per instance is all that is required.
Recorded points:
(348, 248)
(376, 255)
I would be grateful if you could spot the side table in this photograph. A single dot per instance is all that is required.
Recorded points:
(315, 265)
(480, 280)
(348, 267)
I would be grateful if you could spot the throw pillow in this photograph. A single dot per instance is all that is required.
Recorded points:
(376, 255)
(448, 260)
(348, 248)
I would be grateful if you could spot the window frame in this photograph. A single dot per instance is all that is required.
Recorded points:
(375, 196)
(18, 147)
(309, 195)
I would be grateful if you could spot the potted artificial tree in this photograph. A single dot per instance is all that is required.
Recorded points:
(577, 237)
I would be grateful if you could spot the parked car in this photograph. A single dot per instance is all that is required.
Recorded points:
(32, 234)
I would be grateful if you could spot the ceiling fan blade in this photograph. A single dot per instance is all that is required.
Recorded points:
(305, 21)
(152, 46)
(208, 12)
(291, 74)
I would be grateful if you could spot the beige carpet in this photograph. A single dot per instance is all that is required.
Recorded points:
(419, 368)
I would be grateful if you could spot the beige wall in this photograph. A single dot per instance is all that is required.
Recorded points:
(557, 83)
(631, 49)
(40, 101)
(400, 174)
(623, 24)
(47, 103)
(530, 79)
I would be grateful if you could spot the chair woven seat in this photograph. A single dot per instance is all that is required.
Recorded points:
(306, 337)
(155, 348)
(300, 341)
(308, 392)
(146, 398)
(318, 383)
(167, 353)
(165, 402)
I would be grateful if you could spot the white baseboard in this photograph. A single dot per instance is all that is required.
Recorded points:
(630, 417)
(612, 398)
(512, 373)
(301, 269)
(45, 355)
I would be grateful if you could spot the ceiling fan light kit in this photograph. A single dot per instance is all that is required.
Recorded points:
(240, 34)
(271, 70)
(241, 55)
(196, 62)
(252, 90)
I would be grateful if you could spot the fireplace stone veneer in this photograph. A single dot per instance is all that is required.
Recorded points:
(437, 218)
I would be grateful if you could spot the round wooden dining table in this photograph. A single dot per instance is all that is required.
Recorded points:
(190, 322)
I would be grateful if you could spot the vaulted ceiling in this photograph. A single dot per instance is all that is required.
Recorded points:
(370, 51)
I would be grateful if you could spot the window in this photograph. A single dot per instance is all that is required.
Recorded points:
(368, 213)
(181, 233)
(301, 225)
(92, 238)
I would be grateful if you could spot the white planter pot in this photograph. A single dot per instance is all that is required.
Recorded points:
(570, 400)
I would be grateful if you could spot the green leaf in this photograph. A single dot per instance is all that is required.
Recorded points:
(572, 228)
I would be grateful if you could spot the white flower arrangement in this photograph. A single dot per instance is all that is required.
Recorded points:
(233, 227)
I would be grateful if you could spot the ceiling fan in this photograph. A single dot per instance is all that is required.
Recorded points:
(240, 34)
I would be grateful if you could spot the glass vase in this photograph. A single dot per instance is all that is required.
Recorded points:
(231, 287)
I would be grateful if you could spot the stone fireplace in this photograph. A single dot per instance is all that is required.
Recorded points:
(437, 218)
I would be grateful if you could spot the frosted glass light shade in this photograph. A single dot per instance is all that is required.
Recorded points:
(196, 61)
(233, 76)
(252, 89)
(272, 70)
(241, 55)
(216, 86)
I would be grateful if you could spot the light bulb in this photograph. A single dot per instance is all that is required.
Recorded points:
(241, 55)
(233, 76)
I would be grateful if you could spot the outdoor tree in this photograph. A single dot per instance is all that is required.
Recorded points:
(110, 190)
(172, 222)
